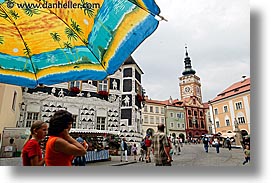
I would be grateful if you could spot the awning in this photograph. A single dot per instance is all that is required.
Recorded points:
(76, 130)
(230, 135)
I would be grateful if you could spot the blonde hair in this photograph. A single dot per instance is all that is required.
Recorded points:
(35, 125)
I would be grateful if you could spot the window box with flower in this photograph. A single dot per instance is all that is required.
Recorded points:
(103, 94)
(75, 89)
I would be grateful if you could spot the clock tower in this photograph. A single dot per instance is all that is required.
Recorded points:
(190, 84)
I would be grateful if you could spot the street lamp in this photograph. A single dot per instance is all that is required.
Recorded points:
(212, 116)
(237, 132)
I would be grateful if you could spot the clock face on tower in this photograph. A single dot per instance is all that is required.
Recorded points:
(187, 89)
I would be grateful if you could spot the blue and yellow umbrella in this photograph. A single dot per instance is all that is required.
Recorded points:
(44, 42)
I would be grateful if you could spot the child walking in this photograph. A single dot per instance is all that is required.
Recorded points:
(32, 153)
(246, 154)
(134, 151)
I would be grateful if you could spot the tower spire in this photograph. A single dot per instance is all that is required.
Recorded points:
(188, 67)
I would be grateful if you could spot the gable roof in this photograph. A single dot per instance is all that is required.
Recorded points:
(130, 60)
(175, 102)
(234, 89)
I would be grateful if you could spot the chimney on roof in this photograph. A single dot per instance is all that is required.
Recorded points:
(243, 78)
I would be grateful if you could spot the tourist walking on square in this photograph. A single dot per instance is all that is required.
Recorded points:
(205, 141)
(32, 153)
(228, 142)
(142, 150)
(161, 147)
(217, 145)
(134, 151)
(246, 154)
(81, 160)
(61, 147)
(148, 143)
(124, 148)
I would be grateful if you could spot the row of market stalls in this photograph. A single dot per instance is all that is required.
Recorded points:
(236, 139)
(101, 142)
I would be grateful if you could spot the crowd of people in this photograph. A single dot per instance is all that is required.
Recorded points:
(62, 149)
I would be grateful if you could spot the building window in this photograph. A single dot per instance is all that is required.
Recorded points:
(100, 125)
(195, 113)
(162, 120)
(183, 125)
(31, 117)
(238, 105)
(74, 84)
(137, 75)
(127, 72)
(189, 112)
(152, 120)
(127, 85)
(216, 111)
(180, 115)
(157, 109)
(201, 113)
(14, 100)
(178, 125)
(196, 124)
(145, 119)
(190, 123)
(74, 121)
(171, 114)
(151, 109)
(103, 85)
(157, 119)
(217, 124)
(145, 108)
(227, 123)
(202, 124)
(225, 109)
(172, 125)
(241, 120)
(162, 110)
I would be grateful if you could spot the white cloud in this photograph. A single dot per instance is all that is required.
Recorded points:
(217, 33)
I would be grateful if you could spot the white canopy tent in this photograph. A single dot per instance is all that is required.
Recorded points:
(230, 135)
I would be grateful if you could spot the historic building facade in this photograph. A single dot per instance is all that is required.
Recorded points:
(153, 114)
(111, 105)
(169, 112)
(190, 92)
(175, 118)
(10, 98)
(230, 110)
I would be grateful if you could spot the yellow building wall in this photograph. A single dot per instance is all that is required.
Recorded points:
(221, 114)
(8, 116)
(149, 125)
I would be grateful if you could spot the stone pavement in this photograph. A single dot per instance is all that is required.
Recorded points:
(17, 161)
(191, 155)
(115, 161)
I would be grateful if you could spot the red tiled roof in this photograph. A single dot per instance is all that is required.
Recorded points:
(234, 89)
(205, 105)
(175, 102)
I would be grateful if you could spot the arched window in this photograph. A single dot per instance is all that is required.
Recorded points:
(202, 124)
(190, 123)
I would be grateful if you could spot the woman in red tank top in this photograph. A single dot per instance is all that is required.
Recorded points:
(61, 147)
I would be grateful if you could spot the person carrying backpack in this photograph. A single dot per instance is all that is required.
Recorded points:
(205, 143)
(148, 148)
(124, 148)
(142, 150)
